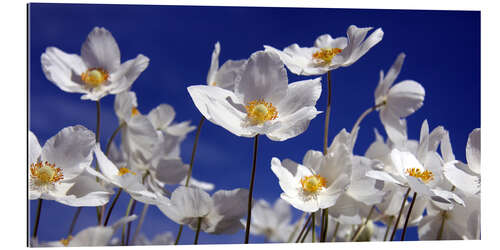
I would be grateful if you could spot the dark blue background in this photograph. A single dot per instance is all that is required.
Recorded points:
(443, 54)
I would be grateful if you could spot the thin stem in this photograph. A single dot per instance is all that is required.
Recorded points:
(327, 113)
(125, 225)
(193, 152)
(97, 133)
(37, 218)
(108, 145)
(190, 171)
(250, 192)
(388, 227)
(362, 226)
(324, 225)
(302, 217)
(444, 214)
(303, 229)
(178, 235)
(335, 231)
(73, 222)
(313, 226)
(130, 223)
(395, 228)
(141, 220)
(112, 206)
(408, 216)
(307, 232)
(197, 231)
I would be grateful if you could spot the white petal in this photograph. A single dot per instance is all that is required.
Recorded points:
(180, 129)
(264, 77)
(287, 181)
(300, 94)
(161, 116)
(327, 42)
(107, 168)
(124, 103)
(385, 83)
(460, 176)
(405, 98)
(446, 149)
(228, 72)
(356, 48)
(299, 60)
(383, 176)
(213, 103)
(85, 192)
(473, 151)
(92, 236)
(100, 50)
(306, 205)
(171, 171)
(214, 65)
(34, 150)
(395, 127)
(313, 159)
(63, 69)
(70, 150)
(294, 124)
(207, 186)
(231, 203)
(139, 136)
(127, 73)
(194, 202)
(404, 160)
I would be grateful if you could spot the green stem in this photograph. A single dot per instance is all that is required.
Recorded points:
(388, 227)
(313, 227)
(250, 192)
(126, 214)
(141, 220)
(408, 216)
(130, 223)
(197, 231)
(73, 222)
(303, 228)
(37, 218)
(444, 215)
(362, 226)
(324, 225)
(327, 113)
(302, 217)
(307, 231)
(395, 228)
(110, 141)
(112, 206)
(190, 171)
(97, 133)
(335, 231)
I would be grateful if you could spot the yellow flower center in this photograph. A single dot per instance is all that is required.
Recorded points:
(213, 84)
(259, 111)
(313, 183)
(135, 111)
(94, 77)
(325, 56)
(66, 241)
(45, 173)
(124, 170)
(425, 176)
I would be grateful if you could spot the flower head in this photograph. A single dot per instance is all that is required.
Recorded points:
(328, 53)
(97, 72)
(262, 101)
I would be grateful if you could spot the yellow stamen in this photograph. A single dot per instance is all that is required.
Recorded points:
(325, 56)
(66, 241)
(135, 111)
(259, 111)
(94, 77)
(425, 176)
(213, 84)
(45, 173)
(124, 171)
(313, 183)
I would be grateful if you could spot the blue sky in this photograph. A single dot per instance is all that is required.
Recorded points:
(443, 54)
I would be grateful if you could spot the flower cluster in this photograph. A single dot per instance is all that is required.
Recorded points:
(397, 183)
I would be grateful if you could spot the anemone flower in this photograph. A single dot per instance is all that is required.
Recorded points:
(225, 76)
(97, 71)
(328, 53)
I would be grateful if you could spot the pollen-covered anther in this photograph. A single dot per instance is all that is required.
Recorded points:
(424, 176)
(45, 173)
(313, 183)
(135, 111)
(124, 170)
(66, 241)
(94, 77)
(260, 111)
(326, 55)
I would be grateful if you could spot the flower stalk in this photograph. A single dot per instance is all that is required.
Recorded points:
(250, 192)
(408, 216)
(395, 228)
(37, 219)
(198, 227)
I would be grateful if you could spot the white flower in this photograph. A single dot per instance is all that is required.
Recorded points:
(123, 178)
(461, 223)
(224, 76)
(398, 101)
(61, 170)
(262, 101)
(328, 53)
(97, 72)
(271, 221)
(463, 176)
(220, 214)
(92, 236)
(318, 182)
(165, 238)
